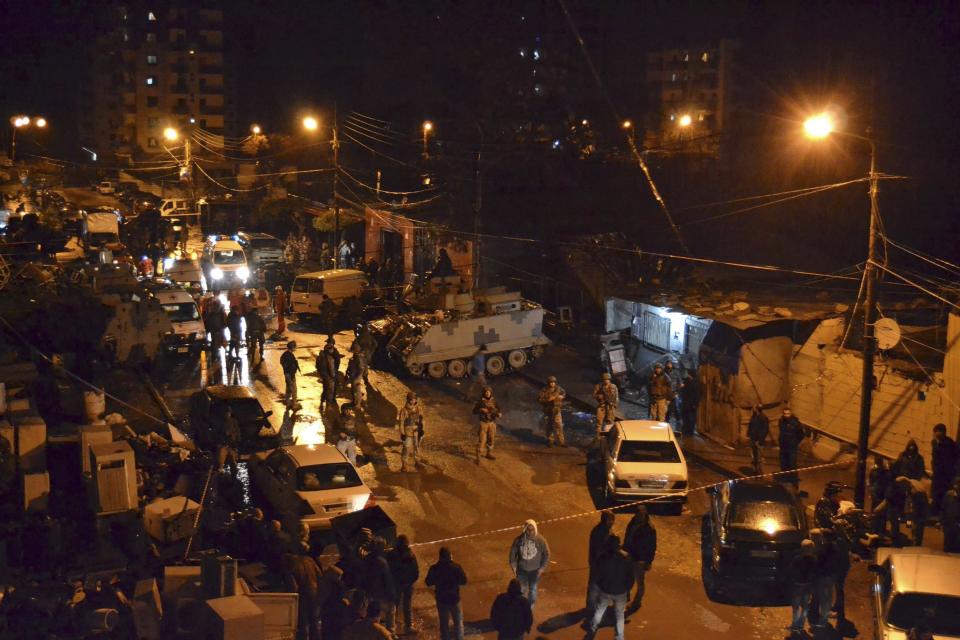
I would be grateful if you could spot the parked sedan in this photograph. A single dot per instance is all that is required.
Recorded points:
(642, 460)
(913, 584)
(208, 407)
(308, 483)
(756, 529)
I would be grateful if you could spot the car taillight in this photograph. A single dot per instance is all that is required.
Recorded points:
(680, 484)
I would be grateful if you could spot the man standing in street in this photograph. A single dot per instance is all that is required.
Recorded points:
(356, 374)
(280, 308)
(660, 392)
(598, 541)
(640, 541)
(614, 579)
(290, 366)
(943, 464)
(608, 403)
(828, 506)
(791, 435)
(801, 578)
(488, 413)
(409, 423)
(551, 399)
(328, 314)
(378, 582)
(676, 388)
(256, 334)
(446, 576)
(406, 572)
(328, 366)
(758, 430)
(529, 556)
(510, 614)
(689, 404)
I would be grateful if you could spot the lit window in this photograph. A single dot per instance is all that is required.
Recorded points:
(151, 142)
(673, 117)
(151, 37)
(151, 59)
(536, 54)
(523, 53)
(151, 81)
(701, 116)
(705, 57)
(152, 18)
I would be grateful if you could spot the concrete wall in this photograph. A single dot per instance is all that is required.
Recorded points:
(826, 395)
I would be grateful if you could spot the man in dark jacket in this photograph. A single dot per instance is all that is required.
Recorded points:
(880, 479)
(943, 464)
(802, 571)
(406, 572)
(689, 403)
(828, 506)
(328, 366)
(640, 541)
(446, 576)
(302, 575)
(615, 579)
(256, 333)
(910, 463)
(791, 435)
(758, 430)
(290, 366)
(598, 542)
(378, 582)
(510, 614)
(235, 325)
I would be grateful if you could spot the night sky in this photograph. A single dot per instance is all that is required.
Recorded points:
(892, 66)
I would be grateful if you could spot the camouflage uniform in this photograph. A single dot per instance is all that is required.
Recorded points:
(488, 411)
(410, 424)
(551, 399)
(608, 402)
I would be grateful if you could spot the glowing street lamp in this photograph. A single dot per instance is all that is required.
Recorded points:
(627, 124)
(255, 129)
(427, 128)
(18, 122)
(685, 120)
(818, 127)
(310, 123)
(171, 134)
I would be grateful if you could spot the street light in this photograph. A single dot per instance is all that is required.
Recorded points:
(685, 120)
(171, 134)
(18, 122)
(310, 123)
(255, 129)
(627, 124)
(820, 127)
(41, 122)
(427, 128)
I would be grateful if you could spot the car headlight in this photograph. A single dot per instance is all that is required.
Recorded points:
(216, 273)
(243, 273)
(200, 335)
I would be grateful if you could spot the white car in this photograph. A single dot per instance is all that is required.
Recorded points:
(188, 333)
(262, 248)
(309, 483)
(106, 188)
(912, 584)
(226, 264)
(642, 459)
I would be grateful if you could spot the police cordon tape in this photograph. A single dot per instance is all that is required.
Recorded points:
(627, 505)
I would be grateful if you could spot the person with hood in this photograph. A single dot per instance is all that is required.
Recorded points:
(446, 577)
(410, 425)
(406, 572)
(328, 367)
(608, 403)
(598, 541)
(943, 464)
(551, 401)
(758, 430)
(280, 308)
(640, 541)
(290, 366)
(443, 266)
(660, 391)
(510, 614)
(791, 435)
(802, 571)
(378, 581)
(529, 556)
(488, 412)
(615, 579)
(910, 463)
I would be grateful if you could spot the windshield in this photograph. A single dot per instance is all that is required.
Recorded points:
(102, 238)
(228, 257)
(182, 311)
(322, 477)
(308, 285)
(641, 451)
(246, 409)
(763, 516)
(941, 612)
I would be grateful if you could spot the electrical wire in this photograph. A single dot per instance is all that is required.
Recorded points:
(707, 205)
(376, 190)
(371, 118)
(381, 131)
(915, 285)
(368, 136)
(937, 262)
(380, 153)
(223, 186)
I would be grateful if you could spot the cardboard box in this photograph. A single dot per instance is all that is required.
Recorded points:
(33, 441)
(114, 472)
(279, 614)
(91, 434)
(234, 618)
(36, 491)
(171, 519)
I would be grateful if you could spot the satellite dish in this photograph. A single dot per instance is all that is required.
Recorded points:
(887, 332)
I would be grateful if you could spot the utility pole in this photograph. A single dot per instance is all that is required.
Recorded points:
(869, 341)
(336, 201)
(477, 239)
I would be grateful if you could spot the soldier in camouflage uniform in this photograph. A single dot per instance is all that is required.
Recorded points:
(551, 399)
(608, 402)
(487, 411)
(410, 425)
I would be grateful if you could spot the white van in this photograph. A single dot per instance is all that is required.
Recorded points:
(176, 207)
(185, 271)
(339, 284)
(106, 188)
(226, 264)
(188, 330)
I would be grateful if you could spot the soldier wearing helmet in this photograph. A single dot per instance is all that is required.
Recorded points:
(410, 425)
(660, 391)
(551, 400)
(608, 403)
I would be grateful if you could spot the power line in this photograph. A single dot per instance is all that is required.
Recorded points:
(915, 285)
(223, 186)
(358, 132)
(937, 262)
(382, 131)
(375, 189)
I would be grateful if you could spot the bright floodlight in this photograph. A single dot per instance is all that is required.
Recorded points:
(40, 122)
(686, 120)
(170, 134)
(818, 127)
(427, 126)
(255, 129)
(310, 123)
(627, 124)
(22, 121)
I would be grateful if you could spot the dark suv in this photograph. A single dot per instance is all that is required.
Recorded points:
(756, 528)
(208, 407)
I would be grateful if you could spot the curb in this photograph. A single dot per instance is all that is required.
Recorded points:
(699, 459)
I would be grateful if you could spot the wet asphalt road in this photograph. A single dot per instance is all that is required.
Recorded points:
(452, 496)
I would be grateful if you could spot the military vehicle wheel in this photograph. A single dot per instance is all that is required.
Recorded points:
(457, 368)
(495, 365)
(437, 369)
(517, 358)
(415, 369)
(536, 351)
